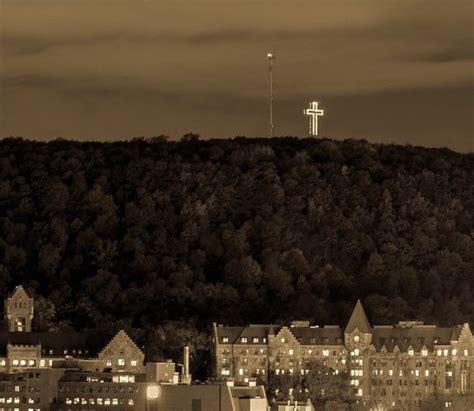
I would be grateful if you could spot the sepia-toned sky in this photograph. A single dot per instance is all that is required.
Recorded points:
(385, 70)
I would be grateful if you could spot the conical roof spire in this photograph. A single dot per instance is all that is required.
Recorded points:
(358, 320)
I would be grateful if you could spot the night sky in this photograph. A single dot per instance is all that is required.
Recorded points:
(385, 70)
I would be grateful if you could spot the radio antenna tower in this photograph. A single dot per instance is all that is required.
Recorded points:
(271, 58)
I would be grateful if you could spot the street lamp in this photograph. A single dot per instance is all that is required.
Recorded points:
(152, 393)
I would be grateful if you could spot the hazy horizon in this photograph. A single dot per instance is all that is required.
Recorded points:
(387, 72)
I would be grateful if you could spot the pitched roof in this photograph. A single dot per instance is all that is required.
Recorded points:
(318, 335)
(358, 320)
(19, 291)
(416, 337)
(329, 335)
(117, 342)
(54, 344)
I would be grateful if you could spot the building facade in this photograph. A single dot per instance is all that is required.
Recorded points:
(391, 366)
(42, 371)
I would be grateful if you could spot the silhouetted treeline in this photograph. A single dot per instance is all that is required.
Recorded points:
(154, 233)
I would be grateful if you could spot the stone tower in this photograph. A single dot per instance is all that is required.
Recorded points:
(19, 309)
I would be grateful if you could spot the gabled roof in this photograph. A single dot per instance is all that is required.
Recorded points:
(19, 291)
(120, 340)
(358, 320)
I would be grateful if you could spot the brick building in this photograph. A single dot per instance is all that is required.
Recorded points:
(394, 366)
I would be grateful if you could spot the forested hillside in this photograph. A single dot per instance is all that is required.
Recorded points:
(162, 238)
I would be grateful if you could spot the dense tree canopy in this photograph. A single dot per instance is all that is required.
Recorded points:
(149, 232)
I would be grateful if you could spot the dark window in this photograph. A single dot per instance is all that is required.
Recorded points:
(196, 405)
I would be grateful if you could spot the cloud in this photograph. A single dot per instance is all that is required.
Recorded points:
(181, 54)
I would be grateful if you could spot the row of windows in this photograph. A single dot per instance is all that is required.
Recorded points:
(18, 400)
(99, 401)
(27, 363)
(121, 362)
(17, 388)
(88, 389)
(17, 409)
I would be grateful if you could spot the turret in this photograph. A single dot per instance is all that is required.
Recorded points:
(19, 310)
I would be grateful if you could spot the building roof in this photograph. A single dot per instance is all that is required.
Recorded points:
(318, 335)
(54, 344)
(305, 335)
(19, 291)
(417, 337)
(358, 320)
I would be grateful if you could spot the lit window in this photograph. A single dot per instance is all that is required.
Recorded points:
(356, 351)
(424, 352)
(241, 371)
(290, 351)
(411, 352)
(325, 353)
(15, 362)
(255, 339)
(133, 363)
(225, 339)
(244, 340)
(121, 361)
(454, 352)
(283, 340)
(466, 353)
(109, 363)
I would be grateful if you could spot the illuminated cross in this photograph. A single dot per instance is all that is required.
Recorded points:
(313, 112)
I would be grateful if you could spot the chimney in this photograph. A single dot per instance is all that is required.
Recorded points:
(186, 361)
(186, 377)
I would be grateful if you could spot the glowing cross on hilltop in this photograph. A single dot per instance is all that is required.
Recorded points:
(314, 112)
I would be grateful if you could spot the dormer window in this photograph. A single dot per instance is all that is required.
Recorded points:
(255, 339)
(244, 340)
(283, 340)
(225, 339)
